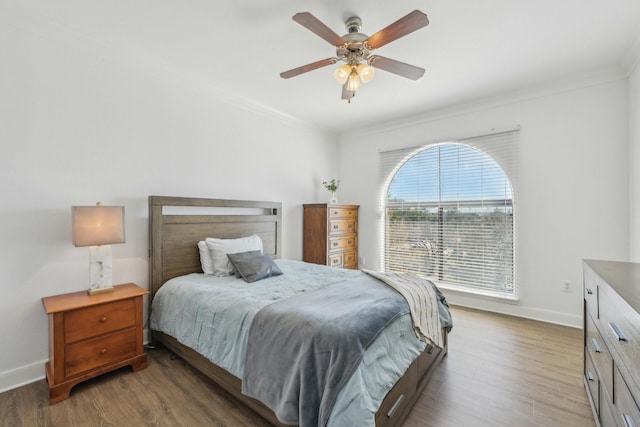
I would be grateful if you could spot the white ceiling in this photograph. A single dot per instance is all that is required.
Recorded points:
(471, 49)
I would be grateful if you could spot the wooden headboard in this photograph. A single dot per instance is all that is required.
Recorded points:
(176, 224)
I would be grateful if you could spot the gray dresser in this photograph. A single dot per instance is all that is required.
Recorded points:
(612, 341)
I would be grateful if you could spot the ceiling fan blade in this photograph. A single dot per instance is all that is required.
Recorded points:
(347, 94)
(314, 25)
(308, 67)
(396, 67)
(403, 26)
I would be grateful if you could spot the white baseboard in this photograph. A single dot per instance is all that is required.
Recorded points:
(28, 374)
(513, 309)
(22, 375)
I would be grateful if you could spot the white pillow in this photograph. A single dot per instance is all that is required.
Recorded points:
(205, 258)
(219, 248)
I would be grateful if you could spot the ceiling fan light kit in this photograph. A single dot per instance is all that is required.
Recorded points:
(354, 49)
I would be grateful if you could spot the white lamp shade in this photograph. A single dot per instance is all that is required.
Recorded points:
(97, 225)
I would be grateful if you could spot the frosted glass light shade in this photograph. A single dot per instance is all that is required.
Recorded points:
(366, 72)
(342, 74)
(353, 82)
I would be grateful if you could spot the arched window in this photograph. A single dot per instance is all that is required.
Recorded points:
(449, 216)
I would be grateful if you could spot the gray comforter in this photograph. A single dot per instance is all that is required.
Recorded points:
(302, 350)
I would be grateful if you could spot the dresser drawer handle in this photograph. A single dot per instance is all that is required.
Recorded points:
(395, 406)
(350, 242)
(628, 421)
(590, 376)
(103, 319)
(335, 243)
(617, 332)
(589, 291)
(335, 227)
(596, 346)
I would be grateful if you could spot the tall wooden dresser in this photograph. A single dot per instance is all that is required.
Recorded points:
(612, 341)
(331, 235)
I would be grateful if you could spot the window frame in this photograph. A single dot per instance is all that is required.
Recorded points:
(482, 144)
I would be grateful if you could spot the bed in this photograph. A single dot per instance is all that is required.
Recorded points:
(177, 224)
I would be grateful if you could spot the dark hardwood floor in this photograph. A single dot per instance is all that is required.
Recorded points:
(501, 371)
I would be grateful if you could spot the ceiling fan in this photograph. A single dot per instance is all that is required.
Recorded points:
(355, 49)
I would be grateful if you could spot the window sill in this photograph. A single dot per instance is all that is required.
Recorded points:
(484, 294)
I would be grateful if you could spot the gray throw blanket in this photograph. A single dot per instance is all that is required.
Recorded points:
(302, 350)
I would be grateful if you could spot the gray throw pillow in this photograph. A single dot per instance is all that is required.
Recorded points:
(253, 266)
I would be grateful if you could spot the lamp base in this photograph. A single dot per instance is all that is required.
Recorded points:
(102, 290)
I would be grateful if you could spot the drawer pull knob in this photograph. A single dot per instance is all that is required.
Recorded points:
(335, 243)
(395, 406)
(103, 351)
(103, 319)
(628, 421)
(596, 346)
(589, 291)
(335, 227)
(590, 376)
(617, 332)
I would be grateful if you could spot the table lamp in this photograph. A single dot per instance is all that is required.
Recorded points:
(98, 227)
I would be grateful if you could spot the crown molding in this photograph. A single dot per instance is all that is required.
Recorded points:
(506, 98)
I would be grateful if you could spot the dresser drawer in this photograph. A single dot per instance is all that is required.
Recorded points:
(592, 380)
(101, 351)
(600, 356)
(621, 325)
(341, 226)
(99, 319)
(350, 259)
(628, 414)
(336, 260)
(337, 212)
(344, 242)
(591, 292)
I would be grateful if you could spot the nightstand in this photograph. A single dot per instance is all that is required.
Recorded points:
(90, 335)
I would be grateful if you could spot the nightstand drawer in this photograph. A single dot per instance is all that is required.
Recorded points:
(341, 226)
(99, 319)
(345, 242)
(91, 354)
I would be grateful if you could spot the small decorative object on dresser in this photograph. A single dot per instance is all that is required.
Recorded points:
(331, 235)
(90, 335)
(332, 186)
(612, 341)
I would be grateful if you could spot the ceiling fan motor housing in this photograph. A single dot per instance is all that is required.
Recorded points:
(353, 50)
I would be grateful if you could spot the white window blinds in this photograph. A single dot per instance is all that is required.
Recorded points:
(449, 213)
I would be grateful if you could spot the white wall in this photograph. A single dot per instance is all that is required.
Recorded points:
(81, 123)
(572, 195)
(634, 164)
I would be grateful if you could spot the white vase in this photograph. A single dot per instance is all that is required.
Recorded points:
(334, 198)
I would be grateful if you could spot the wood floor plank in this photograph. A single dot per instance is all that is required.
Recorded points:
(500, 371)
